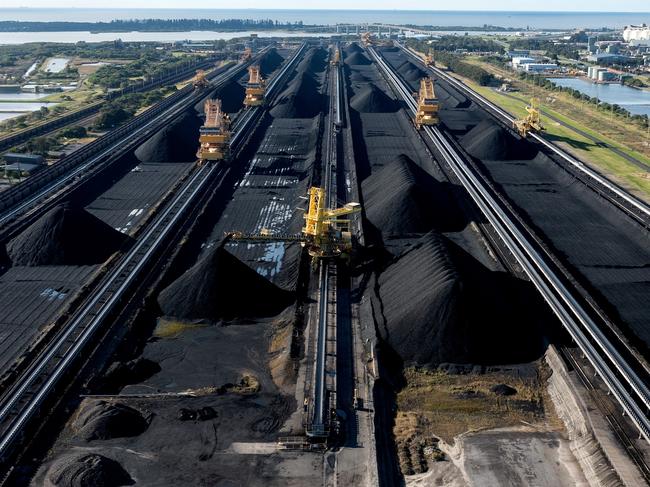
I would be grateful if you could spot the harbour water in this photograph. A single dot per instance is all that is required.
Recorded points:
(637, 102)
(10, 38)
(514, 19)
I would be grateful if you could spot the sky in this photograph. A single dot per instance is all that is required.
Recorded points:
(547, 5)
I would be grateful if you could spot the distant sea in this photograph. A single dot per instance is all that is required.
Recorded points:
(517, 20)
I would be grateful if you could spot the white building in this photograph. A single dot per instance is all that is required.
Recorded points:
(519, 61)
(637, 35)
(539, 67)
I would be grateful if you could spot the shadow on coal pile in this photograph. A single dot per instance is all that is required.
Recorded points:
(232, 97)
(370, 99)
(176, 143)
(456, 309)
(65, 236)
(219, 286)
(415, 203)
(490, 141)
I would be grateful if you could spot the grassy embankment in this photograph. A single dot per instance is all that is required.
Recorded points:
(612, 131)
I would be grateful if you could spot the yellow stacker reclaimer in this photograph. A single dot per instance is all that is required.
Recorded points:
(324, 235)
(427, 112)
(531, 122)
(254, 88)
(336, 59)
(200, 80)
(214, 134)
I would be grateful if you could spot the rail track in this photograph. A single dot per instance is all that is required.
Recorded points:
(622, 380)
(320, 404)
(628, 203)
(20, 403)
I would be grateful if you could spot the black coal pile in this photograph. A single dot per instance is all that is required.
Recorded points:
(65, 236)
(490, 141)
(270, 62)
(410, 72)
(133, 371)
(102, 421)
(401, 198)
(352, 48)
(88, 470)
(357, 59)
(301, 99)
(437, 304)
(370, 99)
(232, 97)
(357, 76)
(177, 142)
(219, 286)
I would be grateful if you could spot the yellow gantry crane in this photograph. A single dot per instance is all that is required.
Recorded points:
(427, 113)
(200, 80)
(531, 122)
(324, 234)
(214, 134)
(254, 88)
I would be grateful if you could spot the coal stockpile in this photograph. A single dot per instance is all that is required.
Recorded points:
(352, 48)
(490, 141)
(219, 286)
(88, 470)
(301, 99)
(65, 236)
(410, 72)
(370, 99)
(357, 59)
(270, 62)
(437, 304)
(177, 142)
(102, 421)
(232, 97)
(401, 198)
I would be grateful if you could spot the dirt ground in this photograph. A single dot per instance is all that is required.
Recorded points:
(452, 429)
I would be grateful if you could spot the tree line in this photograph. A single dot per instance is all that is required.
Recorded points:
(151, 25)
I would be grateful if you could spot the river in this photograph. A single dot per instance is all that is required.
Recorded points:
(637, 102)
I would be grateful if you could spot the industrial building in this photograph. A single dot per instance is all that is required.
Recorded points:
(519, 61)
(637, 35)
(538, 67)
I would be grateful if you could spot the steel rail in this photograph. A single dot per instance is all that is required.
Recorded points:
(150, 125)
(333, 121)
(586, 170)
(42, 374)
(567, 309)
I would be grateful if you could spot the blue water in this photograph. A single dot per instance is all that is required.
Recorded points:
(635, 101)
(517, 20)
